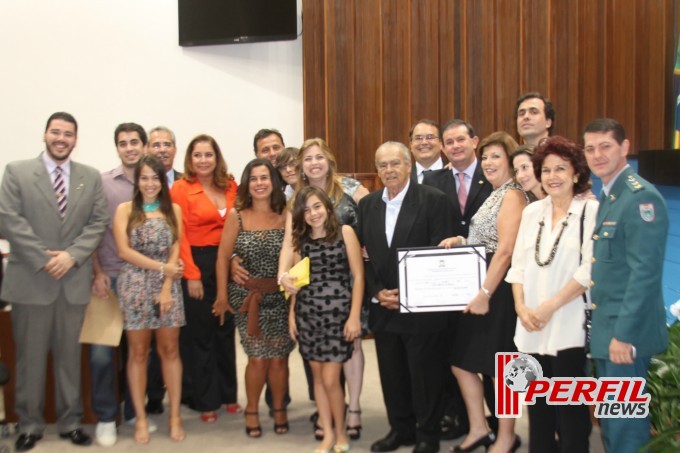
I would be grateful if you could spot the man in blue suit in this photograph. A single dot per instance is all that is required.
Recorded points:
(629, 319)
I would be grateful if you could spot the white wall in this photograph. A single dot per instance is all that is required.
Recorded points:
(113, 61)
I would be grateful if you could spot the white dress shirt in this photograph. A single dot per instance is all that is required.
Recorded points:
(565, 328)
(51, 167)
(437, 165)
(392, 208)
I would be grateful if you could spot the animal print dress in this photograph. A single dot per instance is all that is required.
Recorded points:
(260, 250)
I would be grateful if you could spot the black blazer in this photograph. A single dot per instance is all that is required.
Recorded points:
(423, 221)
(480, 189)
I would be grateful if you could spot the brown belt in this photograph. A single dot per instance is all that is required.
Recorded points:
(251, 305)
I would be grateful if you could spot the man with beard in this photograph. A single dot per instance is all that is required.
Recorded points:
(53, 213)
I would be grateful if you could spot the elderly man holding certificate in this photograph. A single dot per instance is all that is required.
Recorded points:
(408, 345)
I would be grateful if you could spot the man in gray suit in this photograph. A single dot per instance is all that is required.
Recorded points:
(53, 213)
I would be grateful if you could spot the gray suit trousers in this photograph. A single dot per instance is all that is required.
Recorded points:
(39, 329)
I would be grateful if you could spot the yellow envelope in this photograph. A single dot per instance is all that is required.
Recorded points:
(301, 271)
(103, 323)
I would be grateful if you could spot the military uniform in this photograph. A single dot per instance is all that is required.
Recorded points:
(629, 242)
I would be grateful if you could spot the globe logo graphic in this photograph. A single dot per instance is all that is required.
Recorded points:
(520, 372)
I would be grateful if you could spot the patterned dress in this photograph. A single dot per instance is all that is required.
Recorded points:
(478, 338)
(138, 289)
(322, 308)
(260, 250)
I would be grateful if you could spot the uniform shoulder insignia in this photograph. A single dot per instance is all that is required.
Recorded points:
(633, 183)
(647, 212)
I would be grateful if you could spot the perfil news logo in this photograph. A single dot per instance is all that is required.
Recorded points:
(521, 373)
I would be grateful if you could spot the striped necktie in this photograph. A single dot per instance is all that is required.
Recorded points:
(60, 190)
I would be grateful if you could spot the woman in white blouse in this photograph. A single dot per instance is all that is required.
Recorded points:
(550, 272)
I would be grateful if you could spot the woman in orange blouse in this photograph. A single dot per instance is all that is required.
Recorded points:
(205, 194)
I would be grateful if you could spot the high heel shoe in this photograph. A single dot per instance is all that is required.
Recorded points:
(281, 428)
(318, 432)
(176, 429)
(516, 444)
(341, 448)
(253, 432)
(483, 441)
(141, 431)
(209, 417)
(354, 432)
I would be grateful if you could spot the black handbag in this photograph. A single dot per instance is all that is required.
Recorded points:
(588, 310)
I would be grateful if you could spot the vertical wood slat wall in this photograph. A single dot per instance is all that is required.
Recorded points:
(373, 67)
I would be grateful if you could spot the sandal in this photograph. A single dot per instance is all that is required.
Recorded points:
(142, 431)
(281, 428)
(354, 432)
(209, 417)
(318, 432)
(233, 408)
(176, 429)
(255, 431)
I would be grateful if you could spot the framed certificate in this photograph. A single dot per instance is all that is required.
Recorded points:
(439, 279)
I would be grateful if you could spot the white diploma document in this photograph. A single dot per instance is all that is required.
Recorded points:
(439, 279)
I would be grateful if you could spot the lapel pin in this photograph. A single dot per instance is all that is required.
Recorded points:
(481, 181)
(80, 186)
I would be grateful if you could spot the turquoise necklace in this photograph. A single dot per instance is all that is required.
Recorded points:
(150, 207)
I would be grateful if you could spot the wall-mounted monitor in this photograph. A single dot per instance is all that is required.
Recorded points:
(208, 22)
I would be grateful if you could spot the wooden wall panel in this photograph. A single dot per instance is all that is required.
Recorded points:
(534, 50)
(591, 63)
(396, 64)
(620, 77)
(368, 81)
(424, 50)
(373, 67)
(313, 58)
(508, 70)
(340, 82)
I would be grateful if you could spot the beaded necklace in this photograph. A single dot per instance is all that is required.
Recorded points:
(150, 207)
(554, 247)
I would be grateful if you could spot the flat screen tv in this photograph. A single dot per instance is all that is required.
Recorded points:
(207, 22)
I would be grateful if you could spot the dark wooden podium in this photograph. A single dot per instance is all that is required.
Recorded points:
(9, 357)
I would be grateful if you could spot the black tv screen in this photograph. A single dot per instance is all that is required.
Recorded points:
(206, 22)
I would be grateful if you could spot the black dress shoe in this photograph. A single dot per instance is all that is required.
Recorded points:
(26, 441)
(391, 442)
(426, 447)
(451, 428)
(483, 441)
(77, 437)
(154, 407)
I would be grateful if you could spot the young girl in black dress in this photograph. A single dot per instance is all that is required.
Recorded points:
(325, 315)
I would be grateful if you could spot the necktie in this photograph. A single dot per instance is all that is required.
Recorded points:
(462, 192)
(60, 190)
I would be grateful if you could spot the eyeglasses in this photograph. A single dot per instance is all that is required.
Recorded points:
(423, 138)
(161, 145)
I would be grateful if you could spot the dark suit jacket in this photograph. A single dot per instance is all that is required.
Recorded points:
(177, 175)
(480, 189)
(30, 221)
(423, 221)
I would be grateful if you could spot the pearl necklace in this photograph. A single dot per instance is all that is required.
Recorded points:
(550, 259)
